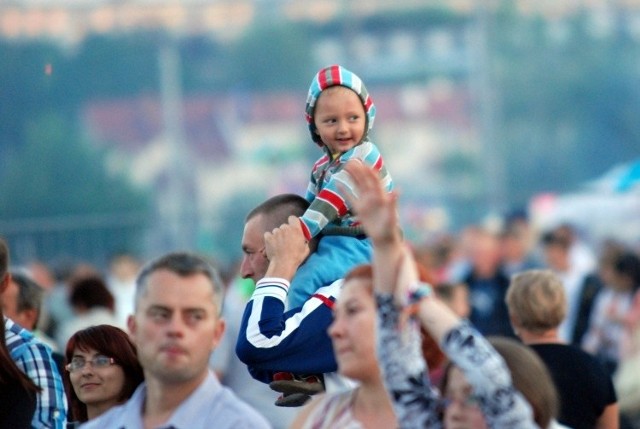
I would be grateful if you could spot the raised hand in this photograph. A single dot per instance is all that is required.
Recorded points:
(375, 208)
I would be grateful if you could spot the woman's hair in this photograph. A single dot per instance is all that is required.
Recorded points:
(109, 341)
(430, 350)
(536, 300)
(361, 272)
(529, 376)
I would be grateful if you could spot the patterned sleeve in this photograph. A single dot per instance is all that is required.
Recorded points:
(502, 405)
(36, 361)
(404, 369)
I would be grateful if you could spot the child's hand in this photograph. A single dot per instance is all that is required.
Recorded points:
(286, 248)
(376, 209)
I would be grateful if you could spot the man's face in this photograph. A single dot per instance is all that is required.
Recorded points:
(254, 260)
(176, 327)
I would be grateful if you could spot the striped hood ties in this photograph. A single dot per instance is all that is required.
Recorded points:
(333, 76)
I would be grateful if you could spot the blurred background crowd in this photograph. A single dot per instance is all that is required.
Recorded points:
(132, 128)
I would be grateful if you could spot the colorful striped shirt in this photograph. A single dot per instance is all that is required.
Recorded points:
(329, 208)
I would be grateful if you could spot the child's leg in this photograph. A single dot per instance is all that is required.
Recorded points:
(335, 257)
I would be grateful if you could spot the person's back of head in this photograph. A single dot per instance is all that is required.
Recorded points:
(530, 377)
(28, 300)
(91, 292)
(536, 300)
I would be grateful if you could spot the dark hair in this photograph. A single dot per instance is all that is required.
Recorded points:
(183, 264)
(627, 264)
(4, 259)
(109, 341)
(91, 292)
(29, 294)
(278, 209)
(553, 238)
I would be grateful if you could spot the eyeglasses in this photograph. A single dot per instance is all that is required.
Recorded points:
(467, 401)
(99, 361)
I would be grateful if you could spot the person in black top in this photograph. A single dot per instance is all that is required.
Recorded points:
(537, 305)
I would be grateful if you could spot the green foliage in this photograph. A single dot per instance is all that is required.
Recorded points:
(55, 173)
(26, 86)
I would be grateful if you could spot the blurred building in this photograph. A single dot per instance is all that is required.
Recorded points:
(69, 21)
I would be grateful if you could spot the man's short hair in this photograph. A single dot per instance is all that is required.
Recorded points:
(552, 238)
(29, 293)
(4, 259)
(278, 209)
(184, 264)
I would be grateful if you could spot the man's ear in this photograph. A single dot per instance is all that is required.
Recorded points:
(219, 332)
(131, 325)
(5, 282)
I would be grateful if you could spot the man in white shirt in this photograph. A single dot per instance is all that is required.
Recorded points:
(176, 326)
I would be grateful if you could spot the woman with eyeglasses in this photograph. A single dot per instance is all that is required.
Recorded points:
(101, 371)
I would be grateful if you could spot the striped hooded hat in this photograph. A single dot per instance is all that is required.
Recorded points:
(332, 76)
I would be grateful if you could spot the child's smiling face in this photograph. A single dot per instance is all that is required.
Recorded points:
(340, 119)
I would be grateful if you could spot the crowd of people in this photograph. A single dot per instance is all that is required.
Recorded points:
(332, 309)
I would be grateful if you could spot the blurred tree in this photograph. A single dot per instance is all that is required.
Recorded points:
(27, 75)
(56, 173)
(58, 199)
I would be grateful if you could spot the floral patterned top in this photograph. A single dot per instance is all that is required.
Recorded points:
(416, 402)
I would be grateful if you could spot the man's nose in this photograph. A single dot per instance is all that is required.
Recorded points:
(245, 267)
(176, 325)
